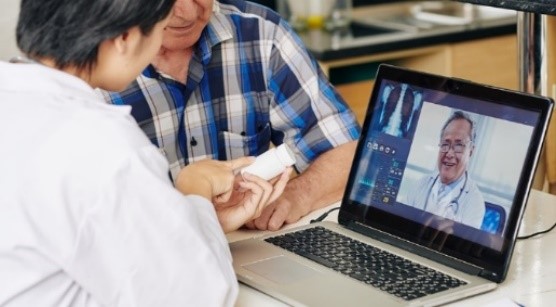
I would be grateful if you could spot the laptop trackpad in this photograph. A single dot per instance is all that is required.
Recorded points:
(281, 270)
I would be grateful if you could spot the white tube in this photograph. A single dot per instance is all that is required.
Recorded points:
(271, 163)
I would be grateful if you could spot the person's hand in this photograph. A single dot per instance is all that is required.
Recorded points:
(215, 181)
(280, 212)
(239, 193)
(320, 185)
(249, 200)
(211, 179)
(288, 208)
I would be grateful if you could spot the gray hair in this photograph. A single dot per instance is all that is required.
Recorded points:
(460, 115)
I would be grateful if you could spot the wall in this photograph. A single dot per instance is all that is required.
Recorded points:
(8, 20)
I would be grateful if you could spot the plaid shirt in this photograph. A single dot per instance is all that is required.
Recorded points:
(250, 83)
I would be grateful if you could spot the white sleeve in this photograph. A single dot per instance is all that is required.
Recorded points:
(146, 244)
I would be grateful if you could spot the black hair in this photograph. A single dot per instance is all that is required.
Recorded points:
(460, 115)
(69, 32)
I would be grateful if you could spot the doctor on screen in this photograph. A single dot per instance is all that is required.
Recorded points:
(450, 192)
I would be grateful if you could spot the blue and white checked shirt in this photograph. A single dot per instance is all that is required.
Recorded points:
(251, 82)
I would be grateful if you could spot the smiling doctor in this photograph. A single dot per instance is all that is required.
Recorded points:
(450, 192)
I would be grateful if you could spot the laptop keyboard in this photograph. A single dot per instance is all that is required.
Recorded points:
(386, 271)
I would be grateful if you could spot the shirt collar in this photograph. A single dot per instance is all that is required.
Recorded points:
(219, 29)
(450, 187)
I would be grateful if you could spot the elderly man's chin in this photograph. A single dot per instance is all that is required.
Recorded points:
(180, 38)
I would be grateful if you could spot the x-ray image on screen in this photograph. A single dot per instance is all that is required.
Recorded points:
(393, 124)
(399, 103)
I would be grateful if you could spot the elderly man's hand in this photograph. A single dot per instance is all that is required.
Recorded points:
(323, 183)
(250, 196)
(282, 211)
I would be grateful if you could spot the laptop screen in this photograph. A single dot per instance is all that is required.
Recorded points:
(446, 164)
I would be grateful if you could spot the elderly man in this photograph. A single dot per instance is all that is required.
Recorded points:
(450, 192)
(231, 79)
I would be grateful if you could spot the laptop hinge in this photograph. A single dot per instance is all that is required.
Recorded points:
(415, 248)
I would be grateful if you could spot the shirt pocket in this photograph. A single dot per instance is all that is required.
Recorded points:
(236, 145)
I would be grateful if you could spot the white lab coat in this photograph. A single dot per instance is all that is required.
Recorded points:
(470, 200)
(88, 215)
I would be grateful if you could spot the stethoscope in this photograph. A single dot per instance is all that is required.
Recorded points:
(454, 204)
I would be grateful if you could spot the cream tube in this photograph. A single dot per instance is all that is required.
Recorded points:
(271, 163)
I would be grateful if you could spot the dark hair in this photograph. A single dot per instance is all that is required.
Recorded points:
(460, 115)
(70, 31)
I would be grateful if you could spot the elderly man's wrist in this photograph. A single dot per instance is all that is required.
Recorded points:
(199, 186)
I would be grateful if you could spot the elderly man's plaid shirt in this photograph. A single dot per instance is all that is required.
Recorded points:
(251, 83)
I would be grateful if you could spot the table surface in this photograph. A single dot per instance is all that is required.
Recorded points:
(531, 280)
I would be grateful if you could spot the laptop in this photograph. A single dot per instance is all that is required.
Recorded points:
(408, 234)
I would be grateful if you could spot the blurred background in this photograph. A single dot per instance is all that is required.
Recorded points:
(10, 9)
(8, 20)
(273, 3)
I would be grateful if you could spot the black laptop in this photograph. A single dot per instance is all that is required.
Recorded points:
(433, 203)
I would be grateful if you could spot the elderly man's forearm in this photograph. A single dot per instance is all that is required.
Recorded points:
(324, 181)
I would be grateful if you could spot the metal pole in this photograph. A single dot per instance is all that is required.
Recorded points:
(531, 40)
(533, 73)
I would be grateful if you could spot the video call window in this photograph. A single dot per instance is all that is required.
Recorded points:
(494, 150)
(405, 148)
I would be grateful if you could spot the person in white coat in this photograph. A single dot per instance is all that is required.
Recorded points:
(450, 192)
(89, 216)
